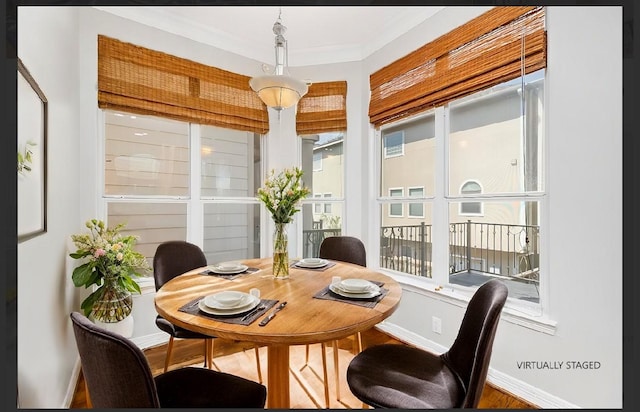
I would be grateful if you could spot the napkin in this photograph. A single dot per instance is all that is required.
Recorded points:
(327, 294)
(192, 308)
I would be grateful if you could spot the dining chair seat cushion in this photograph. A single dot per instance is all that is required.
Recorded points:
(399, 376)
(178, 332)
(192, 388)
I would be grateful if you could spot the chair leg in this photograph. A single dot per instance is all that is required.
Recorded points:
(167, 359)
(324, 375)
(257, 349)
(208, 351)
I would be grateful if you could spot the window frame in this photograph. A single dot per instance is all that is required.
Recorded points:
(391, 189)
(470, 194)
(420, 196)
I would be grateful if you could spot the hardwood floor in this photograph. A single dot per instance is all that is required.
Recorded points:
(307, 391)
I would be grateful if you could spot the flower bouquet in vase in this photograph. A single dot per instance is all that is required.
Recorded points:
(281, 195)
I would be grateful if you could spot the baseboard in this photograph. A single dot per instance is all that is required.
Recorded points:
(523, 390)
(71, 388)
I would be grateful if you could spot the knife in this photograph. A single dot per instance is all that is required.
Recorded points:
(272, 314)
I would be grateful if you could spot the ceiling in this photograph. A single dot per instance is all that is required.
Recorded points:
(315, 34)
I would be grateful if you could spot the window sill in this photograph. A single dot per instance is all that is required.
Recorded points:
(525, 315)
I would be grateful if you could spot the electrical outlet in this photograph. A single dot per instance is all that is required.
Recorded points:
(436, 324)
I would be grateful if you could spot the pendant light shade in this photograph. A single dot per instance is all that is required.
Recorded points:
(278, 90)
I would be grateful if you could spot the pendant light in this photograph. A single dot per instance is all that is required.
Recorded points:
(279, 91)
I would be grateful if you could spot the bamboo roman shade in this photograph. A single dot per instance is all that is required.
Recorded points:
(500, 45)
(139, 80)
(323, 108)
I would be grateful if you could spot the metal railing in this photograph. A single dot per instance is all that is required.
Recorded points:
(311, 240)
(498, 249)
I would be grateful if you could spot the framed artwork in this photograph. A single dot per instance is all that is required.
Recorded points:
(32, 156)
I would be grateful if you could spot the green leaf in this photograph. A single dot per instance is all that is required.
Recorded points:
(82, 274)
(79, 255)
(88, 303)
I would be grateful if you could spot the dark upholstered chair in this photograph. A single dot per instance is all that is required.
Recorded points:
(403, 377)
(118, 375)
(173, 258)
(345, 249)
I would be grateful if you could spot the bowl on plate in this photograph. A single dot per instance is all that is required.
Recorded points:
(355, 285)
(228, 298)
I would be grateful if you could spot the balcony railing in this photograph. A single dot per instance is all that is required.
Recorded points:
(510, 251)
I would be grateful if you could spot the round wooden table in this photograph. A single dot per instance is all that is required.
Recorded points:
(304, 320)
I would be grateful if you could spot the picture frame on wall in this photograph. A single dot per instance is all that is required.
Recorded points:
(32, 156)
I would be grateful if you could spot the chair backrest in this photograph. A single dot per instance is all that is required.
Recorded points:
(115, 370)
(345, 249)
(175, 257)
(470, 353)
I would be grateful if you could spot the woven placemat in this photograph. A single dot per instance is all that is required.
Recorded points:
(229, 277)
(327, 294)
(320, 269)
(238, 319)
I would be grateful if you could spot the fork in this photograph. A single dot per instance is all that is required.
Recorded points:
(253, 312)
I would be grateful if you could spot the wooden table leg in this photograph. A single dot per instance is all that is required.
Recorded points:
(278, 377)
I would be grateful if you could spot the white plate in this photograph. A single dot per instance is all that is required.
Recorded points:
(368, 295)
(312, 263)
(227, 270)
(356, 285)
(254, 302)
(228, 299)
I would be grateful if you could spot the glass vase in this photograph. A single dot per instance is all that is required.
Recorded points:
(280, 253)
(114, 305)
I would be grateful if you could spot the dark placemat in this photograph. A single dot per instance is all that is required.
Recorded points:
(239, 319)
(320, 269)
(327, 294)
(229, 277)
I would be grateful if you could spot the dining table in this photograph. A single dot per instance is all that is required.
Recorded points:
(313, 313)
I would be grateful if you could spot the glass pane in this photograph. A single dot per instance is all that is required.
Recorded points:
(504, 242)
(154, 223)
(405, 244)
(317, 226)
(145, 155)
(230, 162)
(415, 165)
(231, 231)
(393, 144)
(496, 138)
(323, 163)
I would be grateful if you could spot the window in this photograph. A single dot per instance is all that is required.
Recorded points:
(471, 208)
(327, 206)
(322, 217)
(493, 188)
(395, 209)
(148, 184)
(317, 161)
(394, 144)
(416, 209)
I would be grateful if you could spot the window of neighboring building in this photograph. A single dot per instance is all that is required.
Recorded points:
(416, 209)
(394, 144)
(317, 207)
(395, 209)
(471, 208)
(327, 206)
(317, 161)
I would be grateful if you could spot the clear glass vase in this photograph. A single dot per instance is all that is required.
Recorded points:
(114, 305)
(280, 253)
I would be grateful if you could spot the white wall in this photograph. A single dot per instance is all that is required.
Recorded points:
(583, 239)
(48, 46)
(58, 45)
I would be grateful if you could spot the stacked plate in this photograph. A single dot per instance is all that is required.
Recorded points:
(228, 302)
(228, 268)
(312, 263)
(355, 289)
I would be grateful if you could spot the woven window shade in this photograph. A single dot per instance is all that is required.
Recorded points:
(139, 80)
(495, 47)
(323, 109)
